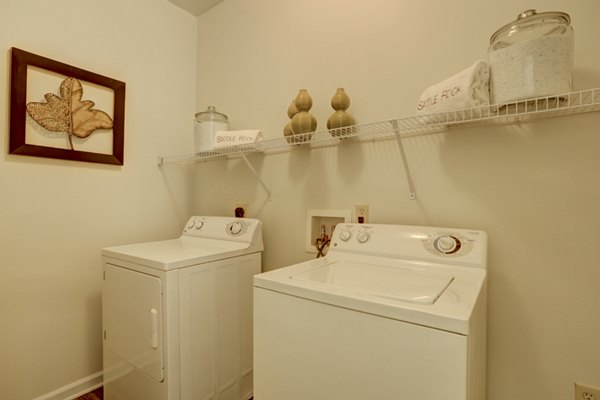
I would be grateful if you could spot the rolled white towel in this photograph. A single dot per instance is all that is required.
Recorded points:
(234, 138)
(466, 89)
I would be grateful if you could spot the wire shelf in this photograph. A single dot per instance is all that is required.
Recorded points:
(521, 111)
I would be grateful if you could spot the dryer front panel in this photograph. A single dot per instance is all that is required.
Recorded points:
(132, 314)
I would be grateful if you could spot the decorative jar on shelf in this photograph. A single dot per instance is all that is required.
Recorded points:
(206, 124)
(531, 57)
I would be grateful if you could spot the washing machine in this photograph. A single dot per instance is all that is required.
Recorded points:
(177, 314)
(391, 312)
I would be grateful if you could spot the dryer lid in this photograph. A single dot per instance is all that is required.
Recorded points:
(178, 253)
(395, 283)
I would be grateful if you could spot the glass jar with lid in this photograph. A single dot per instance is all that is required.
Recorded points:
(206, 124)
(531, 57)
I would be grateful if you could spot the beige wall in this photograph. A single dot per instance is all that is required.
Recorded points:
(56, 215)
(534, 187)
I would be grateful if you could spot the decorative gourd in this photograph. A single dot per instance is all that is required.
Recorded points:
(303, 123)
(287, 129)
(340, 118)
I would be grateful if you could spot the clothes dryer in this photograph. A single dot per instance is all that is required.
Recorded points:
(177, 314)
(392, 312)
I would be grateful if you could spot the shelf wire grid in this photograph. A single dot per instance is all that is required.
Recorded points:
(516, 112)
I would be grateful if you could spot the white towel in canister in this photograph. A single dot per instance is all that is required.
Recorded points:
(468, 88)
(234, 138)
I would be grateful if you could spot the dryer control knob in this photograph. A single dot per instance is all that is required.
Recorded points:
(447, 244)
(235, 228)
(199, 225)
(345, 235)
(363, 237)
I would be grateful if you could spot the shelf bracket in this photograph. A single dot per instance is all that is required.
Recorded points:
(266, 189)
(411, 187)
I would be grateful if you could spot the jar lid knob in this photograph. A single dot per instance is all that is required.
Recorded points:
(526, 13)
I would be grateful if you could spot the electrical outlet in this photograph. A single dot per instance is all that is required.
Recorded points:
(583, 392)
(362, 214)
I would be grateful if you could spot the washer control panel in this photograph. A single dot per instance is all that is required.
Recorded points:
(194, 224)
(467, 247)
(448, 244)
(345, 235)
(236, 228)
(352, 233)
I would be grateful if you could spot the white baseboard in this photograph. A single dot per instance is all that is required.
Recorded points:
(75, 389)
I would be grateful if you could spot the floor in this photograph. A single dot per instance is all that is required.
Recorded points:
(97, 394)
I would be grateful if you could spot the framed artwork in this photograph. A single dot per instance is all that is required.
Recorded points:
(61, 111)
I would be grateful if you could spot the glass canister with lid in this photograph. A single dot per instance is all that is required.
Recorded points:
(206, 124)
(531, 57)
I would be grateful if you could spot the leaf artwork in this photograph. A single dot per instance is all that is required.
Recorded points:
(68, 113)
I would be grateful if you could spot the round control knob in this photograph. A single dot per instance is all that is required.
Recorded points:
(190, 224)
(363, 237)
(235, 228)
(345, 235)
(199, 225)
(447, 244)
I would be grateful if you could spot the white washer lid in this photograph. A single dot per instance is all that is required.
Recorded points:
(436, 295)
(396, 283)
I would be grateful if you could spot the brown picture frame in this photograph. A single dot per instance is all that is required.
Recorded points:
(20, 61)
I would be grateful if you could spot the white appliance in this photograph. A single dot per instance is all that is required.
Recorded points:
(177, 314)
(392, 312)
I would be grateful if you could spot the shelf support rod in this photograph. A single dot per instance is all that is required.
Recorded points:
(411, 187)
(266, 189)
